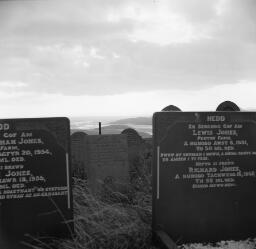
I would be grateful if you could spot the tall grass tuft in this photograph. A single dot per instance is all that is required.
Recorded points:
(110, 221)
(102, 222)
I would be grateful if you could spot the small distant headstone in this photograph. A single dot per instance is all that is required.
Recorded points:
(35, 183)
(140, 153)
(108, 161)
(204, 175)
(79, 154)
(171, 108)
(227, 106)
(133, 138)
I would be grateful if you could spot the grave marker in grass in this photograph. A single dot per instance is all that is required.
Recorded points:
(35, 183)
(204, 175)
(107, 161)
(79, 154)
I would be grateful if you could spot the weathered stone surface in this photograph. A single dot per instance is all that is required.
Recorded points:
(79, 154)
(133, 137)
(108, 161)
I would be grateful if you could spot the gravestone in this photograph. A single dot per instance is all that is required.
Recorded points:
(136, 149)
(79, 154)
(171, 108)
(107, 161)
(35, 184)
(133, 138)
(204, 175)
(227, 106)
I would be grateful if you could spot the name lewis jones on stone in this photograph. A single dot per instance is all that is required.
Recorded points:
(220, 132)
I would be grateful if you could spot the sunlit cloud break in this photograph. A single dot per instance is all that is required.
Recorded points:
(10, 84)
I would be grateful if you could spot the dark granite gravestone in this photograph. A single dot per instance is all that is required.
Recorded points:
(107, 162)
(171, 108)
(35, 183)
(79, 154)
(228, 106)
(204, 175)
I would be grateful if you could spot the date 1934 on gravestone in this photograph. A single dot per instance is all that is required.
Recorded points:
(35, 186)
(204, 175)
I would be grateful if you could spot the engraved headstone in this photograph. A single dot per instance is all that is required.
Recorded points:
(108, 161)
(79, 154)
(35, 186)
(204, 175)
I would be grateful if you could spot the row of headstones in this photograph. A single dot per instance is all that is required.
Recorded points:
(111, 158)
(106, 159)
(35, 181)
(38, 168)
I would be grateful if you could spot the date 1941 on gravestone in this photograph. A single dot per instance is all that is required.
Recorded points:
(35, 186)
(204, 175)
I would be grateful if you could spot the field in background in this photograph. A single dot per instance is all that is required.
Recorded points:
(112, 125)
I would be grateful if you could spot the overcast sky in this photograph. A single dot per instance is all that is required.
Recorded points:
(125, 57)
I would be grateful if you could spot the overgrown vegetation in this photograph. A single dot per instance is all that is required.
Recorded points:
(114, 220)
(111, 220)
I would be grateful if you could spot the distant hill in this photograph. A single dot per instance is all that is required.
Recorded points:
(134, 121)
(111, 129)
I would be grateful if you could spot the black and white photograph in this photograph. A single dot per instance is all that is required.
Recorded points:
(127, 124)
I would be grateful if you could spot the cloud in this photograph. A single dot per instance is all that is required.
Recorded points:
(8, 84)
(237, 21)
(112, 47)
(33, 104)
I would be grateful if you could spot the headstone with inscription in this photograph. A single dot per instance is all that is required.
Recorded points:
(108, 161)
(35, 186)
(204, 175)
(79, 154)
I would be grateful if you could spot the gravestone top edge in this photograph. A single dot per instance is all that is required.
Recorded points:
(171, 108)
(37, 118)
(228, 106)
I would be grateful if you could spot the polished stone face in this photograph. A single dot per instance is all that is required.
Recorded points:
(35, 183)
(204, 175)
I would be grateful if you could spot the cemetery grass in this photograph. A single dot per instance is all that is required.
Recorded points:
(114, 220)
(111, 219)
